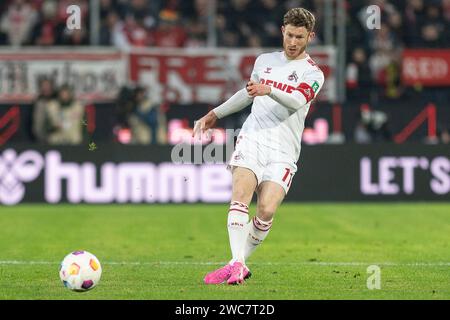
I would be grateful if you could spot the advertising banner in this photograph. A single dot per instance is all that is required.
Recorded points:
(95, 75)
(137, 174)
(172, 75)
(388, 172)
(427, 67)
(212, 75)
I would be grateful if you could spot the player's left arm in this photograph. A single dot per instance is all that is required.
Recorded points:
(305, 92)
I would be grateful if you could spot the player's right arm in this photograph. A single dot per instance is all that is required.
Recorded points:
(237, 102)
(240, 99)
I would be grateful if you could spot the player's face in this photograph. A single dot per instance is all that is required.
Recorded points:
(295, 40)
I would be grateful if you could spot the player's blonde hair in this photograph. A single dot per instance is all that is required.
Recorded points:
(300, 17)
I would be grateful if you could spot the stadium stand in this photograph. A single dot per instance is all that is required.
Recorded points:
(374, 58)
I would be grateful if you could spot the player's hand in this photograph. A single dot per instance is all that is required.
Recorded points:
(250, 84)
(205, 123)
(257, 89)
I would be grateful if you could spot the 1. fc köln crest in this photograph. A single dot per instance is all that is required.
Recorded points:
(293, 76)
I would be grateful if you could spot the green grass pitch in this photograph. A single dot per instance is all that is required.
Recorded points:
(314, 251)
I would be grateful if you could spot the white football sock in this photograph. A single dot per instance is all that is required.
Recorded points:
(237, 230)
(257, 232)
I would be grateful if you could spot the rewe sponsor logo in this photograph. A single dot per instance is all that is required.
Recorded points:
(279, 85)
(136, 182)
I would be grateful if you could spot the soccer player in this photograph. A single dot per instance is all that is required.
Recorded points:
(281, 88)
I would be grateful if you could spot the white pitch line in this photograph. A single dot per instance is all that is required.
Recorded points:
(199, 263)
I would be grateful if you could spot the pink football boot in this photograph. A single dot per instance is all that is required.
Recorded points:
(239, 273)
(223, 274)
(218, 276)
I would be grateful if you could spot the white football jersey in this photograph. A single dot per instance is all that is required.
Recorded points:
(272, 124)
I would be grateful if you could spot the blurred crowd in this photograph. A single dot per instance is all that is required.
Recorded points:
(373, 56)
(41, 23)
(139, 119)
(239, 23)
(59, 118)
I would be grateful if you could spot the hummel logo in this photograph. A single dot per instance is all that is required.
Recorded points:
(15, 170)
(239, 156)
(268, 70)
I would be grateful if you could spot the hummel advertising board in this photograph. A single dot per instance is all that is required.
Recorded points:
(139, 174)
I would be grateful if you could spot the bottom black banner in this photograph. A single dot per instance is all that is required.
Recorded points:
(196, 309)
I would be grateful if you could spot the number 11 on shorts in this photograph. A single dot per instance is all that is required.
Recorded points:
(287, 174)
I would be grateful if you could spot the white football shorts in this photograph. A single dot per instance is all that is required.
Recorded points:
(268, 164)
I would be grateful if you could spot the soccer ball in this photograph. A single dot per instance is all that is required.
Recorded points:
(80, 271)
